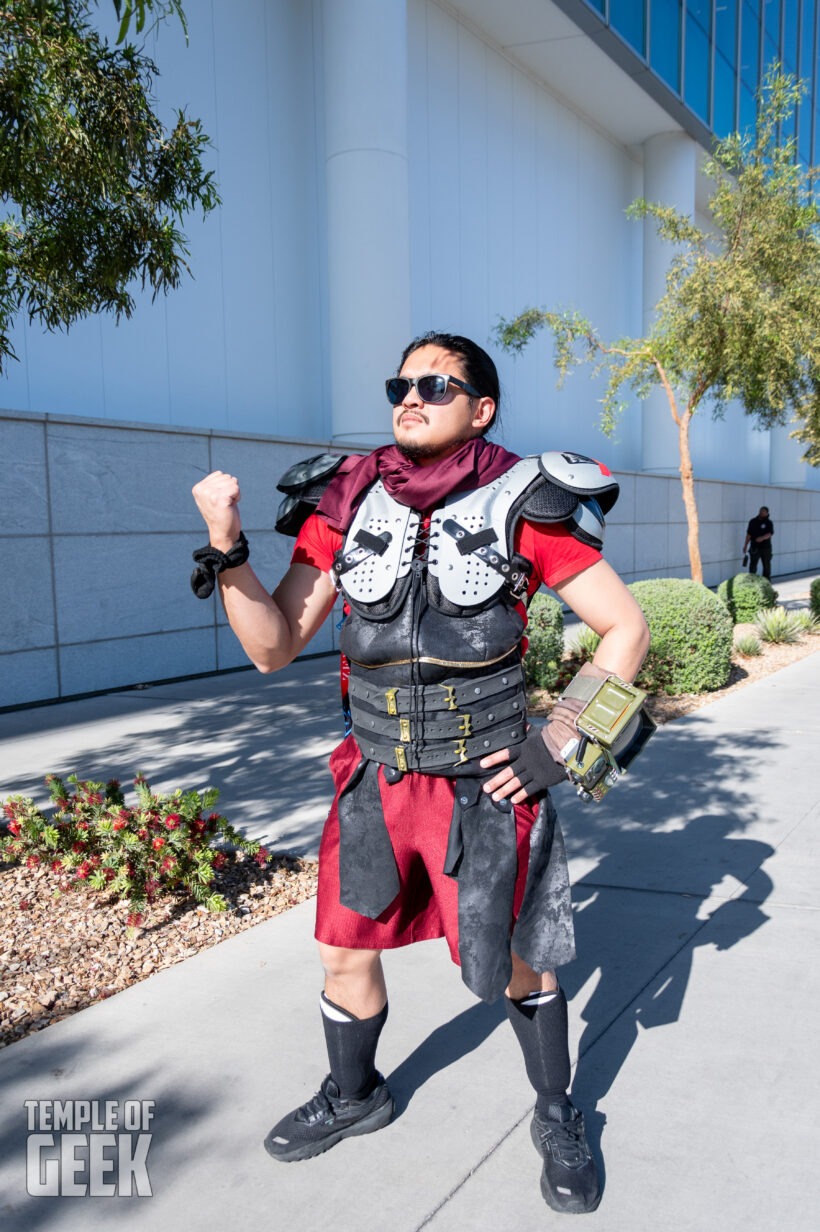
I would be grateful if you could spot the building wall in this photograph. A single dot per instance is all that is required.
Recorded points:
(516, 198)
(99, 527)
(96, 540)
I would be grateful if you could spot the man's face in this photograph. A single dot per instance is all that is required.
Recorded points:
(764, 513)
(427, 431)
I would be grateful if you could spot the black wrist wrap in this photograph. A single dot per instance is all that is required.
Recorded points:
(210, 561)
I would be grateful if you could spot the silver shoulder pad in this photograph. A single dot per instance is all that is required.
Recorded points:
(577, 473)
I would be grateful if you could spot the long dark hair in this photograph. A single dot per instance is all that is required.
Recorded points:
(479, 369)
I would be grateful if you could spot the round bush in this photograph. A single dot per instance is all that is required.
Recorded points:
(814, 597)
(745, 595)
(545, 632)
(691, 631)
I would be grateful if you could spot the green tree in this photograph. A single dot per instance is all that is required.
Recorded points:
(94, 184)
(740, 318)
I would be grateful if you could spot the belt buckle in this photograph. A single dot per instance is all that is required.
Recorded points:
(461, 750)
(450, 690)
(404, 731)
(466, 725)
(401, 758)
(390, 695)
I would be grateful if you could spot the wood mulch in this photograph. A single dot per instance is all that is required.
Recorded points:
(61, 951)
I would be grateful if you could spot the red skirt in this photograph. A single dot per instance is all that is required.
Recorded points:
(417, 811)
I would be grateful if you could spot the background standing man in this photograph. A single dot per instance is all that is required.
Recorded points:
(759, 542)
(442, 824)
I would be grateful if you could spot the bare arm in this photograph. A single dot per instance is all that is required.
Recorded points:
(603, 602)
(273, 629)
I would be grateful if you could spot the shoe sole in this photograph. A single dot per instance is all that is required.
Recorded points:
(571, 1207)
(377, 1119)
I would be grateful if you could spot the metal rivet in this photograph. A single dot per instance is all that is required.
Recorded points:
(462, 799)
(491, 717)
(504, 680)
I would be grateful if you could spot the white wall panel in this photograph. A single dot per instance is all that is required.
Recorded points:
(528, 213)
(238, 345)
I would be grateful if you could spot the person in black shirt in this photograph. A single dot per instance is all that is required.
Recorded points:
(759, 542)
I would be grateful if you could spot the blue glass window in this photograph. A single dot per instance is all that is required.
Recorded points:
(724, 121)
(600, 5)
(726, 30)
(750, 46)
(665, 41)
(627, 17)
(790, 15)
(804, 132)
(748, 109)
(807, 40)
(696, 91)
(772, 20)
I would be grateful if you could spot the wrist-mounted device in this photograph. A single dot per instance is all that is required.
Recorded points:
(613, 728)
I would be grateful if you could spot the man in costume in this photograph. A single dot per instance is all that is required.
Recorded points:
(442, 822)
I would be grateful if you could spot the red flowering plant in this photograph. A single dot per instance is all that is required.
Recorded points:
(160, 844)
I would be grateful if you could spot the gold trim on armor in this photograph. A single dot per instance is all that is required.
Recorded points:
(437, 662)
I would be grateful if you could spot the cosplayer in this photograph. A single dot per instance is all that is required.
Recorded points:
(442, 823)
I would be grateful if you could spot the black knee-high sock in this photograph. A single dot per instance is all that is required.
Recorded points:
(540, 1023)
(351, 1047)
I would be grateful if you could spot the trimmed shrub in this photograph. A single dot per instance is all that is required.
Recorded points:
(745, 595)
(814, 597)
(545, 633)
(690, 649)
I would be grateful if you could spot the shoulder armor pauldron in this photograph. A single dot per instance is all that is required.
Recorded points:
(576, 490)
(304, 485)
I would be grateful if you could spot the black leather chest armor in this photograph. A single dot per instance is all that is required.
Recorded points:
(433, 634)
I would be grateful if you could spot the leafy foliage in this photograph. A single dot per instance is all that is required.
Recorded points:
(814, 597)
(740, 318)
(777, 625)
(585, 643)
(690, 630)
(745, 595)
(545, 635)
(162, 843)
(749, 646)
(95, 184)
(806, 621)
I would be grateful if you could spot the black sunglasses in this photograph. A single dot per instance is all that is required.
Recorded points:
(430, 388)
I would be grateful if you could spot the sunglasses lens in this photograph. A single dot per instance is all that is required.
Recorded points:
(432, 388)
(397, 389)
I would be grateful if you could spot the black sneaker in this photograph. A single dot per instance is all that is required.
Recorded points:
(326, 1119)
(569, 1181)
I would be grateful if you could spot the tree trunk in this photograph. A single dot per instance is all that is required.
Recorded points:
(687, 480)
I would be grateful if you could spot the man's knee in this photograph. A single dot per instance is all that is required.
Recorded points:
(341, 963)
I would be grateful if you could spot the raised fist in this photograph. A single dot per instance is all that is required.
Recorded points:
(217, 497)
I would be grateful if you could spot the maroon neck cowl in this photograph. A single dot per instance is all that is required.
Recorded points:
(474, 464)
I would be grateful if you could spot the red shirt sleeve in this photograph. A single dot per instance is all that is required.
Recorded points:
(316, 544)
(554, 552)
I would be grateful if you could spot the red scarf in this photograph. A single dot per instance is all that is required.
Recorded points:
(474, 464)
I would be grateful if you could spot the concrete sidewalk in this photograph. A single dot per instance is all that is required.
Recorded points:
(694, 1003)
